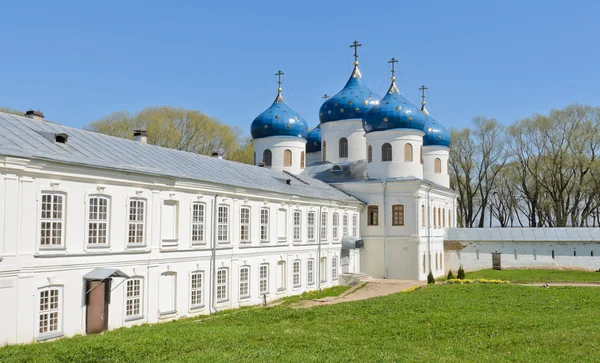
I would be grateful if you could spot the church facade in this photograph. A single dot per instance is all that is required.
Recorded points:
(98, 232)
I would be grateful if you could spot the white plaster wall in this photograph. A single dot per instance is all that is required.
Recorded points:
(430, 153)
(397, 167)
(332, 132)
(313, 158)
(278, 145)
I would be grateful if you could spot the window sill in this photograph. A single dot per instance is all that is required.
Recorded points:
(48, 336)
(222, 301)
(245, 298)
(169, 243)
(281, 291)
(196, 308)
(167, 315)
(136, 246)
(134, 318)
(97, 246)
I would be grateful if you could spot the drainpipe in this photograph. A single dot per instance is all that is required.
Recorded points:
(429, 228)
(385, 264)
(318, 231)
(213, 257)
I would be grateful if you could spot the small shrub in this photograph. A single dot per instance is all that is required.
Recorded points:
(430, 279)
(461, 273)
(450, 275)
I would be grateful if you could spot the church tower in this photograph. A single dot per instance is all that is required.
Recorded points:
(279, 136)
(436, 148)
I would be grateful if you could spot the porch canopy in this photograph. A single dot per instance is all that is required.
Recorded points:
(103, 273)
(349, 243)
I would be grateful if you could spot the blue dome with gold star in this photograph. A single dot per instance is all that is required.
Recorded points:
(313, 142)
(435, 133)
(393, 112)
(279, 120)
(351, 102)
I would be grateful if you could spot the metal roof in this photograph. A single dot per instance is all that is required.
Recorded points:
(522, 234)
(28, 138)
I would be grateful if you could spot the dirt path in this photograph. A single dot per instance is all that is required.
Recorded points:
(373, 288)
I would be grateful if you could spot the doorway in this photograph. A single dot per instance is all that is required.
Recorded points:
(98, 293)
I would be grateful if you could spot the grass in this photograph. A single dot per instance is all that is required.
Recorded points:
(537, 276)
(439, 323)
(316, 294)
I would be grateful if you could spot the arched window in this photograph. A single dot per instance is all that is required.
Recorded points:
(324, 150)
(386, 152)
(437, 166)
(267, 157)
(448, 166)
(255, 158)
(343, 147)
(302, 159)
(421, 154)
(287, 158)
(370, 154)
(408, 152)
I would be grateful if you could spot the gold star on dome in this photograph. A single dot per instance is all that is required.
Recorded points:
(277, 117)
(341, 110)
(350, 103)
(357, 109)
(410, 119)
(398, 108)
(335, 104)
(321, 114)
(329, 112)
(366, 102)
(385, 119)
(266, 126)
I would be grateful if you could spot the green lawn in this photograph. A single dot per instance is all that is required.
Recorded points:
(440, 323)
(526, 276)
(316, 294)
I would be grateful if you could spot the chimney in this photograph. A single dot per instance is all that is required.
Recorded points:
(217, 155)
(261, 164)
(140, 136)
(34, 115)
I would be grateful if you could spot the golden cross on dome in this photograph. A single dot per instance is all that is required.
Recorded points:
(355, 45)
(279, 74)
(393, 60)
(325, 96)
(422, 89)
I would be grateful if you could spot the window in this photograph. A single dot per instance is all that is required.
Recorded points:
(437, 166)
(408, 152)
(297, 220)
(254, 160)
(421, 154)
(434, 220)
(169, 220)
(287, 158)
(223, 224)
(281, 276)
(267, 157)
(196, 283)
(355, 225)
(386, 152)
(324, 227)
(443, 217)
(198, 223)
(336, 226)
(282, 225)
(437, 267)
(244, 281)
(323, 271)
(52, 220)
(334, 268)
(302, 159)
(310, 229)
(50, 319)
(133, 298)
(449, 219)
(98, 221)
(440, 257)
(422, 215)
(439, 220)
(222, 284)
(263, 279)
(310, 268)
(296, 274)
(137, 222)
(373, 215)
(245, 224)
(398, 215)
(343, 147)
(345, 225)
(167, 293)
(324, 150)
(264, 224)
(370, 154)
(424, 263)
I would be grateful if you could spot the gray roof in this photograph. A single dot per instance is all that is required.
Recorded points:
(24, 137)
(344, 172)
(523, 234)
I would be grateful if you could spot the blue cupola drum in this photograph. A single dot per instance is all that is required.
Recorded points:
(279, 120)
(435, 133)
(313, 143)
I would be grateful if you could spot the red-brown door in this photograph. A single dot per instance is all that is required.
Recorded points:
(97, 307)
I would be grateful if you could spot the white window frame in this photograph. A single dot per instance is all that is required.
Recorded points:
(196, 290)
(334, 268)
(336, 226)
(97, 221)
(323, 269)
(297, 231)
(310, 227)
(222, 284)
(223, 218)
(296, 276)
(264, 224)
(345, 221)
(52, 221)
(46, 308)
(323, 231)
(173, 276)
(245, 224)
(355, 225)
(310, 272)
(263, 278)
(175, 237)
(198, 223)
(133, 297)
(140, 225)
(245, 282)
(281, 276)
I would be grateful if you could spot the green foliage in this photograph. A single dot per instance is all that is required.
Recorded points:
(504, 323)
(11, 111)
(537, 276)
(461, 273)
(450, 275)
(430, 278)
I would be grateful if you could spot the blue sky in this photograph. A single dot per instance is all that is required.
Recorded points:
(77, 61)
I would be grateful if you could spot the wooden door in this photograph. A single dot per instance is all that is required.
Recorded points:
(97, 307)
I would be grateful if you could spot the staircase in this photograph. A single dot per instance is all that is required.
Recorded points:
(352, 278)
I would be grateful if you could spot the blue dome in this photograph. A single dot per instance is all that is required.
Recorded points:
(313, 143)
(393, 112)
(279, 120)
(351, 102)
(435, 133)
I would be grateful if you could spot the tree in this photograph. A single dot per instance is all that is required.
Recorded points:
(11, 111)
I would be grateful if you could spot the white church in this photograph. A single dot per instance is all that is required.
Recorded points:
(98, 232)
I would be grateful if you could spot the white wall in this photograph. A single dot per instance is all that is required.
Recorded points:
(430, 153)
(313, 158)
(332, 132)
(397, 167)
(278, 145)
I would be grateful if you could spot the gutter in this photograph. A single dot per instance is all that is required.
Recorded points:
(213, 258)
(319, 250)
(385, 264)
(429, 227)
